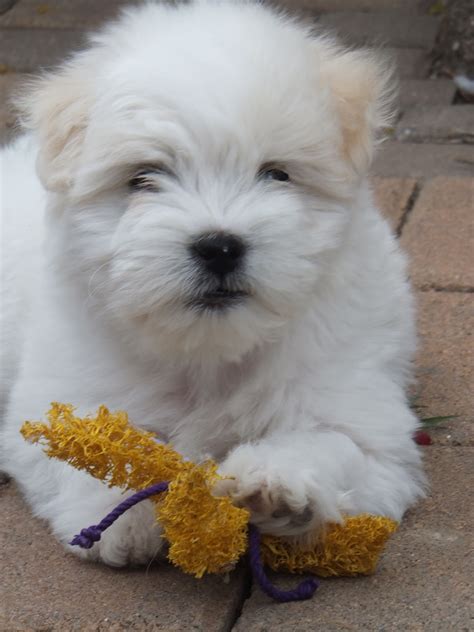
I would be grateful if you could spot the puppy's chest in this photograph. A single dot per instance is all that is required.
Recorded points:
(209, 418)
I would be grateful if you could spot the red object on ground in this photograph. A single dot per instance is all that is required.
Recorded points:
(422, 438)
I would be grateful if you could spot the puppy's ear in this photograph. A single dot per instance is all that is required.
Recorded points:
(362, 87)
(56, 107)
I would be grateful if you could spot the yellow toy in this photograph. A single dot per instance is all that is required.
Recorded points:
(206, 534)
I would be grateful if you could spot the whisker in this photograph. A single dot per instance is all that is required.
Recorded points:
(90, 293)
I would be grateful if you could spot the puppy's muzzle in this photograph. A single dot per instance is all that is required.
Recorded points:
(220, 258)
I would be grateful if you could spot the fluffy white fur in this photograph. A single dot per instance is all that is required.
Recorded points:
(298, 389)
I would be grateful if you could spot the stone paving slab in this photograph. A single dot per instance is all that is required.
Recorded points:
(8, 83)
(330, 6)
(26, 50)
(437, 124)
(390, 29)
(439, 234)
(411, 63)
(445, 364)
(62, 13)
(423, 160)
(424, 581)
(416, 92)
(392, 196)
(44, 588)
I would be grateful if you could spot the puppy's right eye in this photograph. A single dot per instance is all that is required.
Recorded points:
(141, 180)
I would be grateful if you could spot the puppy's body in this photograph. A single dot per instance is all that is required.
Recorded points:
(288, 366)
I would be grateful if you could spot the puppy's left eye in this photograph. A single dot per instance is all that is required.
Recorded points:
(273, 173)
(144, 179)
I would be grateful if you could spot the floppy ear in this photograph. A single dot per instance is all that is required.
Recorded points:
(56, 106)
(363, 87)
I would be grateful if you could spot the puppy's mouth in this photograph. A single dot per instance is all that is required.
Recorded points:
(219, 299)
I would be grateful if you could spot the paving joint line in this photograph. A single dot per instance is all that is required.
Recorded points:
(244, 596)
(464, 161)
(38, 28)
(409, 206)
(6, 5)
(450, 446)
(451, 141)
(431, 287)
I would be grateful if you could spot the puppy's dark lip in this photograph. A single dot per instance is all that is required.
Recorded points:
(219, 299)
(223, 294)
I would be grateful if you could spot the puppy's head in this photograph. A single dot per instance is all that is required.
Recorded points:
(203, 159)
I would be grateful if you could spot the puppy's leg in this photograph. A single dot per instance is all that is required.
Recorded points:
(81, 501)
(360, 461)
(71, 500)
(133, 539)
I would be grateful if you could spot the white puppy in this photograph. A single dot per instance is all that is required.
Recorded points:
(200, 248)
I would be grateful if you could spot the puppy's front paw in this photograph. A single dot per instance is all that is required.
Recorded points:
(133, 539)
(279, 502)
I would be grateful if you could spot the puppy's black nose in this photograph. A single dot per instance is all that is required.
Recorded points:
(220, 253)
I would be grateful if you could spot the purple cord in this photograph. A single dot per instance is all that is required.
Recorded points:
(86, 538)
(305, 590)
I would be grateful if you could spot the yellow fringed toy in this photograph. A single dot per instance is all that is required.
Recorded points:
(206, 534)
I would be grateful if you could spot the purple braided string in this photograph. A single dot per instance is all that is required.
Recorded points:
(304, 590)
(86, 538)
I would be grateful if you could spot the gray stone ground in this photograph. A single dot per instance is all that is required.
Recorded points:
(423, 180)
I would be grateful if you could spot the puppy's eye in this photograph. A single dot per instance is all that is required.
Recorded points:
(273, 173)
(144, 179)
